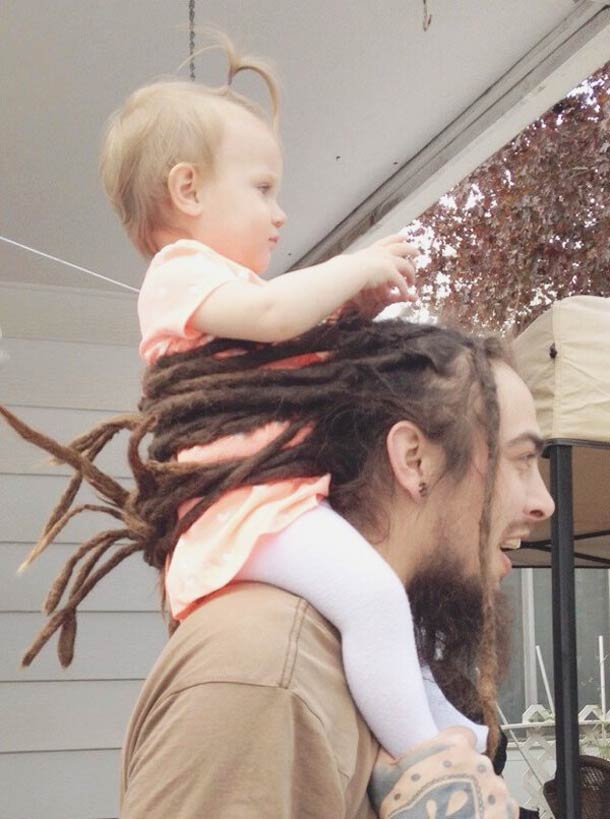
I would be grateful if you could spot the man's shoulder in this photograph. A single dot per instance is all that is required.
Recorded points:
(251, 633)
(253, 652)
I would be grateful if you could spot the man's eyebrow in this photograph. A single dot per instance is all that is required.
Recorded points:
(528, 438)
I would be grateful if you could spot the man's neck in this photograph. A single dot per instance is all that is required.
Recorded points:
(404, 543)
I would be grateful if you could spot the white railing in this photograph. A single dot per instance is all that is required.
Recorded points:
(531, 758)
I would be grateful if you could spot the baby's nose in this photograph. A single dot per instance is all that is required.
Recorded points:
(279, 218)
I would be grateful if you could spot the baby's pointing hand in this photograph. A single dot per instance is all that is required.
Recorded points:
(399, 247)
(387, 272)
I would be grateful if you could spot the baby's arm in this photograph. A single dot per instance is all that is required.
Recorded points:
(295, 302)
(325, 560)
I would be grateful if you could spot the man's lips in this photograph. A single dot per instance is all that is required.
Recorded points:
(510, 545)
(507, 566)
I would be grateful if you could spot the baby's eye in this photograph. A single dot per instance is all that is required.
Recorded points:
(264, 187)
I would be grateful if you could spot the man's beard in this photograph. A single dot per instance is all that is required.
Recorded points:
(448, 619)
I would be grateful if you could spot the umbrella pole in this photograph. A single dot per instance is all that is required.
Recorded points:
(564, 633)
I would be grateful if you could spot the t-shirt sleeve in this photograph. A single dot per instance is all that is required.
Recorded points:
(174, 288)
(233, 751)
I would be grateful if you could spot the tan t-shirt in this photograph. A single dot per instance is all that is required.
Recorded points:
(247, 713)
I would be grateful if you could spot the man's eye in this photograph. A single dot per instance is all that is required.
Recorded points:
(528, 457)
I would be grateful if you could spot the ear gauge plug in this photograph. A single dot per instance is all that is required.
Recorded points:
(423, 489)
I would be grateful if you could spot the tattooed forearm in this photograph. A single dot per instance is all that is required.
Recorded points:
(440, 780)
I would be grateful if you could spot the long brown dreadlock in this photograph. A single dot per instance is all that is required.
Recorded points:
(377, 374)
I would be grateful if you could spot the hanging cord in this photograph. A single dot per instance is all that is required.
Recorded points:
(69, 264)
(427, 17)
(192, 39)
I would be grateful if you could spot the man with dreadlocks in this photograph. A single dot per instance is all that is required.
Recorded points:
(432, 444)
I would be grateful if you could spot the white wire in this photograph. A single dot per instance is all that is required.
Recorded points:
(69, 264)
(531, 765)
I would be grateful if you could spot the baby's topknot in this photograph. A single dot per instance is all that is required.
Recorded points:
(167, 122)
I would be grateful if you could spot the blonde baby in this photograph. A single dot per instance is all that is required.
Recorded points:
(194, 173)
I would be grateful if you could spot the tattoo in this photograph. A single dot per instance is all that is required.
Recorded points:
(427, 784)
(448, 798)
(384, 778)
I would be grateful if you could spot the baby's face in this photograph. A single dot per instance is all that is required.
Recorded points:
(241, 217)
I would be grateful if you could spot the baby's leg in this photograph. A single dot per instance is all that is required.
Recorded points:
(322, 558)
(445, 714)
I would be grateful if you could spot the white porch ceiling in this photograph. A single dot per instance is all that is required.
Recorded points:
(365, 91)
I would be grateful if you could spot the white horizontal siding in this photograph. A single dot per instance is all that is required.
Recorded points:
(62, 728)
(130, 641)
(65, 716)
(60, 785)
(131, 586)
(67, 375)
(18, 457)
(27, 501)
(68, 314)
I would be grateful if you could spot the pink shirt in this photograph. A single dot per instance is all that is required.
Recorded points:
(179, 279)
(213, 550)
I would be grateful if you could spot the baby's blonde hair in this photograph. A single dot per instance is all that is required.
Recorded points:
(163, 124)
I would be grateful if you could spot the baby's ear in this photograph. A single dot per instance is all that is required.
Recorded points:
(183, 187)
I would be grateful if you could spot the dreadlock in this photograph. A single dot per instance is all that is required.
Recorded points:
(375, 374)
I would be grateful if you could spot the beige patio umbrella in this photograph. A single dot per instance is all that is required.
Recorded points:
(564, 357)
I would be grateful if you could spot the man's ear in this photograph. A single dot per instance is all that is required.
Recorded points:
(183, 186)
(407, 448)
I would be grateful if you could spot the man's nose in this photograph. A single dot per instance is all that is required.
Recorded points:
(541, 504)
